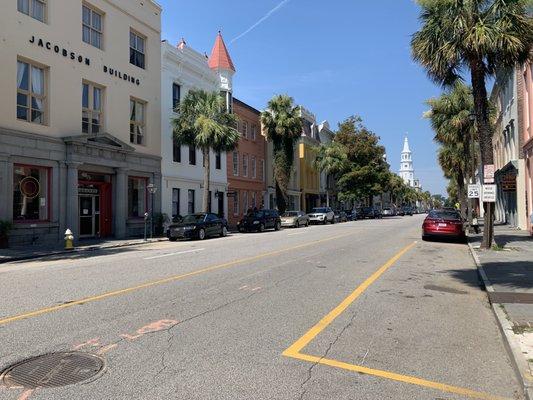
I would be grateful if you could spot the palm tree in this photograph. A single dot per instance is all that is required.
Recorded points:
(282, 125)
(450, 116)
(204, 123)
(481, 36)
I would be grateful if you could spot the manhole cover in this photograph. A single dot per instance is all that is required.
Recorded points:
(53, 370)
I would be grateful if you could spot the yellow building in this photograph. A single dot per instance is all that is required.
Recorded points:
(309, 175)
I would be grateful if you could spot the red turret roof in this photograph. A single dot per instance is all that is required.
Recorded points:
(220, 58)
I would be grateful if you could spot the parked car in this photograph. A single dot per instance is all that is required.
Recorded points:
(389, 212)
(370, 212)
(294, 219)
(197, 226)
(353, 215)
(408, 210)
(322, 215)
(340, 216)
(259, 220)
(443, 223)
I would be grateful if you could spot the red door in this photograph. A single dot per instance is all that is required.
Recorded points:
(106, 211)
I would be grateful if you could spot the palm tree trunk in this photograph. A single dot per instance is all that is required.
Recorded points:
(461, 193)
(207, 166)
(481, 107)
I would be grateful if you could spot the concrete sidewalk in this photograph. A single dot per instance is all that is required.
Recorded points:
(32, 252)
(507, 273)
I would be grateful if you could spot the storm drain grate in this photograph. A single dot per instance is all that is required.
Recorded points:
(53, 370)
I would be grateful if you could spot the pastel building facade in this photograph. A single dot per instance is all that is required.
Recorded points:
(79, 117)
(184, 69)
(525, 117)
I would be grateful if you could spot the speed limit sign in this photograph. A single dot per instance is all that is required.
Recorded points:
(474, 191)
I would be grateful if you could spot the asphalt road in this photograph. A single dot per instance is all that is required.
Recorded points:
(361, 310)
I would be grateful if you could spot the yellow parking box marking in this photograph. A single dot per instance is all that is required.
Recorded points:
(397, 377)
(294, 351)
(297, 346)
(158, 282)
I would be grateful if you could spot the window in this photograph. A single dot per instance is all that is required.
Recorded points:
(137, 122)
(209, 197)
(244, 129)
(137, 49)
(31, 96)
(236, 203)
(34, 8)
(244, 165)
(254, 200)
(262, 166)
(192, 155)
(235, 163)
(137, 194)
(254, 168)
(218, 160)
(175, 202)
(190, 201)
(254, 131)
(244, 201)
(92, 27)
(30, 193)
(176, 151)
(91, 102)
(176, 95)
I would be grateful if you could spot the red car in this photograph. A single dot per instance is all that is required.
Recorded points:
(443, 224)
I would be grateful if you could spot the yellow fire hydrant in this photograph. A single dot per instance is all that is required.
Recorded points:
(69, 240)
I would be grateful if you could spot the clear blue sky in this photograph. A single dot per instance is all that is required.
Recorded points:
(336, 58)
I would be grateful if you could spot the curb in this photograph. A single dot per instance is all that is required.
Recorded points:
(512, 346)
(78, 250)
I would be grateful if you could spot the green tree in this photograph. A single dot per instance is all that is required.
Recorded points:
(357, 160)
(480, 36)
(450, 116)
(282, 124)
(204, 123)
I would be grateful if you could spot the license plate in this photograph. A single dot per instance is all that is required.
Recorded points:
(443, 225)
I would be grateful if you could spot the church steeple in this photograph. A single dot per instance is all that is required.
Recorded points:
(407, 172)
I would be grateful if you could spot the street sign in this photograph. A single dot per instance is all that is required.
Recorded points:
(489, 193)
(488, 173)
(474, 191)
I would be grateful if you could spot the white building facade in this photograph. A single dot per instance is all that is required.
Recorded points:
(407, 171)
(185, 69)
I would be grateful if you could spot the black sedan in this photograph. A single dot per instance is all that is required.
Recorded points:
(370, 212)
(198, 226)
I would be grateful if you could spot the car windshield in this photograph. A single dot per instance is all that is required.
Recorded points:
(450, 215)
(320, 210)
(193, 218)
(291, 214)
(367, 209)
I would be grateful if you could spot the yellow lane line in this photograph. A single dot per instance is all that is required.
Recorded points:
(297, 346)
(397, 377)
(170, 279)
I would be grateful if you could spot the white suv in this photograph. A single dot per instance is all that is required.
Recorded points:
(322, 215)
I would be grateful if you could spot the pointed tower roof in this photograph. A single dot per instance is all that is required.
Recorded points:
(406, 148)
(220, 58)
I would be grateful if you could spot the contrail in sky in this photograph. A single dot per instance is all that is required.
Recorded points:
(260, 21)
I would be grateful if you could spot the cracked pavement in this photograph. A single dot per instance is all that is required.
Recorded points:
(220, 334)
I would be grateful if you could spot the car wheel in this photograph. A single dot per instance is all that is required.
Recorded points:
(224, 232)
(172, 239)
(261, 227)
(277, 227)
(201, 234)
(307, 224)
(325, 221)
(297, 225)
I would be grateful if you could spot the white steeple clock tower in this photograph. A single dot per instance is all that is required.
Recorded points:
(407, 172)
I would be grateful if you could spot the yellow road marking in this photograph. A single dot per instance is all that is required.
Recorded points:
(294, 351)
(174, 278)
(297, 346)
(397, 377)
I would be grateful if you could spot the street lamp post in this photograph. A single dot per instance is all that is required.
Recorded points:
(152, 189)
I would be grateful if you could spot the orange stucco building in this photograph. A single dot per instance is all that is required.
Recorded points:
(246, 165)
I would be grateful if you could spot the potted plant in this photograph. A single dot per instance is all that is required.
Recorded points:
(5, 227)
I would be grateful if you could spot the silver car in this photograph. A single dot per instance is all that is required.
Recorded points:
(322, 215)
(294, 219)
